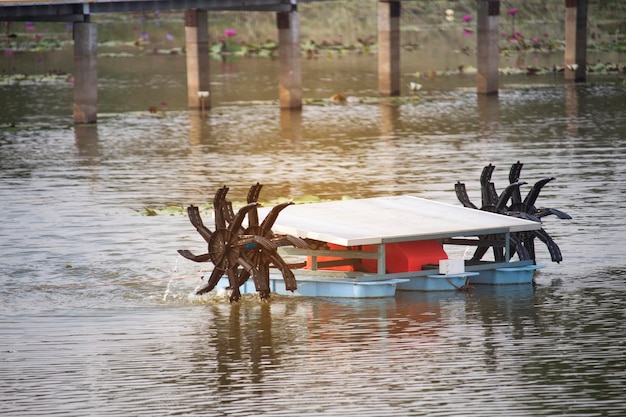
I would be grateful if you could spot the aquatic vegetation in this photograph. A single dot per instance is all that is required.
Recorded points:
(340, 99)
(413, 86)
(208, 208)
(512, 12)
(449, 15)
(158, 112)
(606, 68)
(51, 77)
(167, 211)
(150, 212)
(367, 42)
(224, 47)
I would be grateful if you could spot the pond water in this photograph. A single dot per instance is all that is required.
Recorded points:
(96, 316)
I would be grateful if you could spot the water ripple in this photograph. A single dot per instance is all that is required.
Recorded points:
(92, 321)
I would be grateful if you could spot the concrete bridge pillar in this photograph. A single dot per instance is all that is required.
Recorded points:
(85, 72)
(197, 44)
(487, 47)
(389, 47)
(289, 60)
(576, 40)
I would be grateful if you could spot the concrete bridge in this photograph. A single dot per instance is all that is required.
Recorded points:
(79, 12)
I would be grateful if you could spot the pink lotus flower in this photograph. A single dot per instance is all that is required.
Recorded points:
(513, 11)
(467, 32)
(230, 33)
(466, 18)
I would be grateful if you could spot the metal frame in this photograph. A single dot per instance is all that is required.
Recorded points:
(380, 256)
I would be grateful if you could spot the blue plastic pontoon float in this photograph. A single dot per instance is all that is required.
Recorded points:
(375, 246)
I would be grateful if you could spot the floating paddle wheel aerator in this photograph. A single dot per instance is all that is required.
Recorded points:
(242, 252)
(510, 203)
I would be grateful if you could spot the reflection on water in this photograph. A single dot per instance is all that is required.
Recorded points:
(93, 323)
(512, 351)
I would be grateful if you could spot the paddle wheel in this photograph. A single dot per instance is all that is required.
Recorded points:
(510, 203)
(242, 252)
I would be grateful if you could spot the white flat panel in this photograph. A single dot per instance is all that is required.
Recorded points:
(394, 218)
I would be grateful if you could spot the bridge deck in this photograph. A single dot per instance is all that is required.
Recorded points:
(64, 10)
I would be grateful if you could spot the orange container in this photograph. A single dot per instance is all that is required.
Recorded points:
(399, 257)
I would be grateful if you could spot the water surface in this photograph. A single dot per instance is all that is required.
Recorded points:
(96, 314)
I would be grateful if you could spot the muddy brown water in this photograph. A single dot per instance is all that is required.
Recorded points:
(78, 339)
